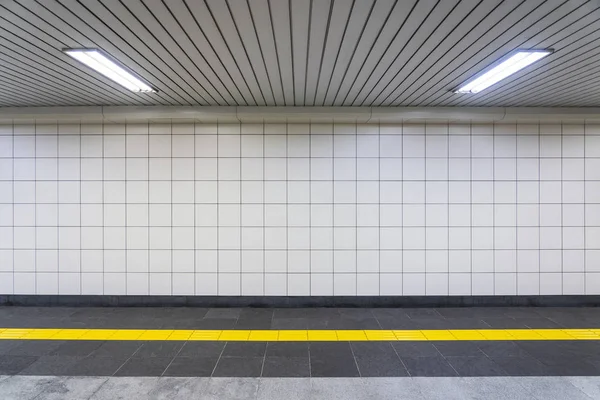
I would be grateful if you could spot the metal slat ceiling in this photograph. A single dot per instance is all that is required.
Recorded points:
(299, 52)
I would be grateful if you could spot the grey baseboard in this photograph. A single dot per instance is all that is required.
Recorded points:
(300, 301)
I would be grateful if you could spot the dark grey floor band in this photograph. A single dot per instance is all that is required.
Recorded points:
(300, 301)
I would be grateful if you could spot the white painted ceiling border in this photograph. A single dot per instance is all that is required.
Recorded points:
(120, 114)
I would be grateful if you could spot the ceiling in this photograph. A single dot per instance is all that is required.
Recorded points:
(299, 52)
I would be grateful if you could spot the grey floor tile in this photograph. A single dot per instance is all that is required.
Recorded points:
(287, 349)
(358, 313)
(279, 367)
(504, 323)
(380, 366)
(389, 312)
(192, 366)
(256, 313)
(121, 388)
(81, 348)
(353, 323)
(502, 349)
(494, 388)
(588, 385)
(552, 388)
(34, 348)
(391, 389)
(458, 348)
(51, 365)
(428, 366)
(521, 366)
(170, 388)
(288, 389)
(117, 349)
(440, 388)
(223, 313)
(159, 349)
(333, 366)
(396, 323)
(372, 349)
(290, 312)
(25, 387)
(253, 323)
(415, 349)
(475, 366)
(337, 389)
(72, 388)
(330, 349)
(245, 349)
(289, 323)
(11, 365)
(6, 345)
(201, 349)
(466, 323)
(231, 388)
(153, 366)
(216, 323)
(538, 323)
(249, 367)
(178, 323)
(430, 323)
(97, 366)
(569, 365)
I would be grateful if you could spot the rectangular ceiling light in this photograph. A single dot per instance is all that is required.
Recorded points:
(99, 62)
(514, 63)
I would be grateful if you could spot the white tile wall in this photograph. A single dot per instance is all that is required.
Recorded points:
(300, 209)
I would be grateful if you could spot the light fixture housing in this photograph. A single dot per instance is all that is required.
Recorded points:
(107, 66)
(503, 68)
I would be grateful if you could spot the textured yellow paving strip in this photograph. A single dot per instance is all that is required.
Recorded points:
(299, 335)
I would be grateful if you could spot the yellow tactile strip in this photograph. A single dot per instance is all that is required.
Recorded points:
(299, 335)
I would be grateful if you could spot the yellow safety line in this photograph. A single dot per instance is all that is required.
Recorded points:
(298, 335)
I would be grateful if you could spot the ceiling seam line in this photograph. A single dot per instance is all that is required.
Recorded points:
(420, 63)
(505, 42)
(375, 42)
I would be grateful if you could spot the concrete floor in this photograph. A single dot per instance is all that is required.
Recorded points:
(129, 388)
(565, 370)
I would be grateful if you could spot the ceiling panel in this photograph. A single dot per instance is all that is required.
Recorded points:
(299, 52)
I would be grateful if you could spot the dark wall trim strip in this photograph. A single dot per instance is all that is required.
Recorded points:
(300, 301)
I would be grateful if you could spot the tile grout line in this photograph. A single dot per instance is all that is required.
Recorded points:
(217, 251)
(287, 215)
(354, 358)
(516, 228)
(333, 227)
(310, 253)
(80, 216)
(195, 221)
(356, 272)
(471, 207)
(13, 207)
(585, 225)
(426, 247)
(562, 213)
(379, 200)
(494, 207)
(539, 205)
(174, 357)
(126, 227)
(219, 358)
(172, 251)
(448, 210)
(241, 244)
(148, 183)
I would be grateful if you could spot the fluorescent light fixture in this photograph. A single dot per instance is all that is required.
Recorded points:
(516, 62)
(101, 63)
